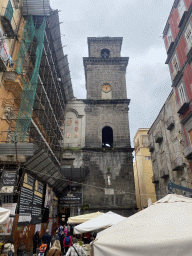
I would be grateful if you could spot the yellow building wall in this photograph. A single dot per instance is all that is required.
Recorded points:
(143, 171)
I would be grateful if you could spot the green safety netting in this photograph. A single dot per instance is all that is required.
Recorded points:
(29, 90)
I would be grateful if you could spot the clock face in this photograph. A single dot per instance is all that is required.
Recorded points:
(106, 88)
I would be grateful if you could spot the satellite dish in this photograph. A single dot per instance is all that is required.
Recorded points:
(149, 202)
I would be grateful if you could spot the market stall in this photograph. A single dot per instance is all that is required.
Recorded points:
(165, 228)
(103, 221)
(82, 218)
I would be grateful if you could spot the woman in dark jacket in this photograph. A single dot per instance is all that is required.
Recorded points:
(36, 241)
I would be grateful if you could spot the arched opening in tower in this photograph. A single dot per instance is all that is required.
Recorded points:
(107, 137)
(105, 53)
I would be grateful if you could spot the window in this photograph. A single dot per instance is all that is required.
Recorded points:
(107, 137)
(190, 135)
(181, 92)
(188, 36)
(181, 8)
(175, 64)
(169, 37)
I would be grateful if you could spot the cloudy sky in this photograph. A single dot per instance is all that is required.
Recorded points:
(140, 23)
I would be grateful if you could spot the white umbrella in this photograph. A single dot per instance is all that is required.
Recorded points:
(165, 228)
(106, 220)
(4, 215)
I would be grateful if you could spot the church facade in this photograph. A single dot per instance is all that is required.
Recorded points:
(96, 132)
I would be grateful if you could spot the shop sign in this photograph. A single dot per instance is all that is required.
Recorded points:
(30, 201)
(8, 181)
(6, 229)
(71, 199)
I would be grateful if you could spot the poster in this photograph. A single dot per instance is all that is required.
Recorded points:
(50, 225)
(6, 229)
(37, 202)
(48, 197)
(8, 181)
(26, 200)
(55, 205)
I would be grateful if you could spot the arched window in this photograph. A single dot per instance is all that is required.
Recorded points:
(105, 53)
(107, 137)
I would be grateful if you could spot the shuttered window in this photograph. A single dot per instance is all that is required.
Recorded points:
(181, 8)
(181, 92)
(188, 36)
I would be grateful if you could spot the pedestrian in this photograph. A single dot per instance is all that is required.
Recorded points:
(76, 249)
(60, 230)
(71, 229)
(36, 241)
(55, 237)
(46, 239)
(67, 242)
(68, 227)
(65, 231)
(55, 249)
(61, 241)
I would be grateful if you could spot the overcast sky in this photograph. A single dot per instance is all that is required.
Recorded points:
(141, 24)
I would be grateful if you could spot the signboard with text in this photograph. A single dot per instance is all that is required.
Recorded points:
(8, 181)
(30, 201)
(71, 199)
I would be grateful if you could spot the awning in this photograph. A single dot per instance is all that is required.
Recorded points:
(85, 217)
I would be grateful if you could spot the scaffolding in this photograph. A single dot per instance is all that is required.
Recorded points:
(37, 112)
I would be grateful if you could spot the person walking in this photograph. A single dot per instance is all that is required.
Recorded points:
(55, 250)
(76, 249)
(61, 241)
(65, 230)
(46, 239)
(36, 241)
(55, 237)
(67, 242)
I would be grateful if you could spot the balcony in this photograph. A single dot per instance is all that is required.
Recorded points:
(177, 164)
(158, 137)
(151, 147)
(170, 123)
(183, 108)
(3, 59)
(189, 54)
(170, 47)
(176, 78)
(155, 179)
(188, 152)
(164, 173)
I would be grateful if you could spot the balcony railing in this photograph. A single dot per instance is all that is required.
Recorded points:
(183, 108)
(188, 152)
(177, 164)
(170, 123)
(158, 137)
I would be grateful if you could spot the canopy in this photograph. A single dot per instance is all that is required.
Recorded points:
(105, 220)
(82, 218)
(4, 215)
(165, 228)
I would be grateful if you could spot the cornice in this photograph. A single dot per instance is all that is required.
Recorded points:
(115, 101)
(105, 39)
(104, 61)
(179, 35)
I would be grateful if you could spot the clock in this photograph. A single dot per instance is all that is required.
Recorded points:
(106, 88)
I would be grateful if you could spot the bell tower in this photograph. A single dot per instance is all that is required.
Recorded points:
(107, 138)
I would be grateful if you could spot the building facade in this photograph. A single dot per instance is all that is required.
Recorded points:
(35, 86)
(143, 171)
(178, 42)
(166, 144)
(106, 158)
